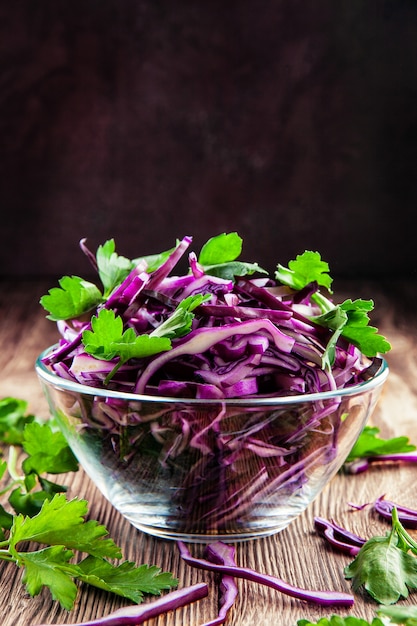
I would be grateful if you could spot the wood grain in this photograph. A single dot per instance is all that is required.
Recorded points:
(296, 554)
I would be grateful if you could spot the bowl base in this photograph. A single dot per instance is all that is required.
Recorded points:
(172, 535)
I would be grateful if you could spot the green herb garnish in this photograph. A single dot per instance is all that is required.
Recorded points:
(349, 319)
(44, 534)
(385, 566)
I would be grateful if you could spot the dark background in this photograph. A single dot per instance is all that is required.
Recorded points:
(293, 122)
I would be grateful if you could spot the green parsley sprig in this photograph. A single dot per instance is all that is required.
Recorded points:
(337, 620)
(107, 340)
(369, 444)
(386, 567)
(349, 319)
(218, 257)
(44, 533)
(61, 527)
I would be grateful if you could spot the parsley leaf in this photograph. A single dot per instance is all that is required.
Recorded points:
(384, 566)
(112, 268)
(305, 269)
(218, 257)
(47, 517)
(369, 444)
(48, 451)
(221, 249)
(71, 299)
(13, 419)
(107, 339)
(28, 502)
(61, 522)
(126, 579)
(349, 319)
(179, 322)
(337, 620)
(62, 526)
(50, 567)
(406, 615)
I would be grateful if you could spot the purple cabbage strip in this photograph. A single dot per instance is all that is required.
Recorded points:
(219, 552)
(323, 598)
(138, 614)
(339, 537)
(202, 339)
(163, 270)
(362, 465)
(407, 516)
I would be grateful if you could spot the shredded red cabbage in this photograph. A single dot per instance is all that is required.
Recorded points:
(134, 615)
(339, 537)
(225, 567)
(250, 338)
(219, 466)
(223, 554)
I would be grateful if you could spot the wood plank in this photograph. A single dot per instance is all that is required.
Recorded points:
(296, 554)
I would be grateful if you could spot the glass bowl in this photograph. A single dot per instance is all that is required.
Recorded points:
(199, 470)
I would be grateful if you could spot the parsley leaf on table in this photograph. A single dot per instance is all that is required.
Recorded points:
(48, 451)
(50, 568)
(337, 620)
(125, 579)
(406, 615)
(61, 526)
(384, 565)
(369, 444)
(13, 419)
(61, 522)
(46, 517)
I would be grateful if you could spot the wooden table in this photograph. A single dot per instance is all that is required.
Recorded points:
(296, 554)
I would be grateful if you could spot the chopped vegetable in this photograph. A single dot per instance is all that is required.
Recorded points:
(339, 537)
(219, 552)
(407, 516)
(135, 615)
(324, 598)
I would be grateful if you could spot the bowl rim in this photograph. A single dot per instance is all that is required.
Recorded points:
(46, 375)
